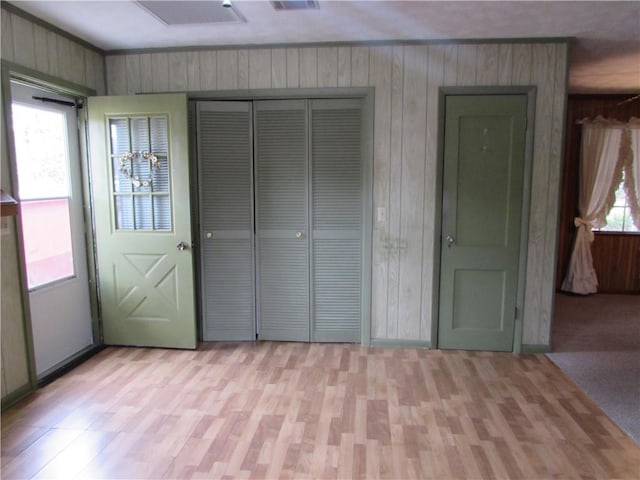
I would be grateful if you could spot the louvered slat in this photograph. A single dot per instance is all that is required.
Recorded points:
(281, 205)
(226, 203)
(336, 219)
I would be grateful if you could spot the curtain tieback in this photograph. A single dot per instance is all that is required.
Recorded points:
(581, 222)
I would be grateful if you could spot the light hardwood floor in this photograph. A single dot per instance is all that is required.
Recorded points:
(287, 410)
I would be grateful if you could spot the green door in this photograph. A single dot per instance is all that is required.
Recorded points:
(483, 172)
(140, 183)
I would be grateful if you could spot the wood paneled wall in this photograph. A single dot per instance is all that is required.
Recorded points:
(624, 275)
(31, 45)
(406, 80)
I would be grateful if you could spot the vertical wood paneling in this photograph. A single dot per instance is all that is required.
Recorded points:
(450, 65)
(359, 66)
(412, 197)
(328, 67)
(467, 61)
(308, 67)
(278, 68)
(146, 72)
(487, 64)
(521, 64)
(616, 260)
(133, 74)
(380, 76)
(193, 71)
(344, 67)
(90, 73)
(23, 41)
(394, 244)
(52, 49)
(160, 72)
(116, 75)
(77, 70)
(260, 68)
(41, 49)
(430, 220)
(227, 69)
(178, 81)
(208, 70)
(293, 68)
(405, 152)
(543, 62)
(505, 64)
(65, 59)
(558, 95)
(243, 68)
(7, 37)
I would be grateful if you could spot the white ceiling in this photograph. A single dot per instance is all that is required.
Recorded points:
(605, 56)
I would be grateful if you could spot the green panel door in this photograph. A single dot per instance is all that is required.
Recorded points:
(282, 241)
(483, 174)
(226, 220)
(140, 183)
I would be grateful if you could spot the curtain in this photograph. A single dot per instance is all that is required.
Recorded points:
(632, 171)
(601, 165)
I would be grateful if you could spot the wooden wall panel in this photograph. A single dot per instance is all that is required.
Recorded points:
(47, 52)
(611, 279)
(407, 79)
(616, 259)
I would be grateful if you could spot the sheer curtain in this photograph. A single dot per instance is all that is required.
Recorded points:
(601, 164)
(632, 171)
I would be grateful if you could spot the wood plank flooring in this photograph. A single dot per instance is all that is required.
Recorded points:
(294, 410)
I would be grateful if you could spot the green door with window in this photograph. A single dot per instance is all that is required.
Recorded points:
(140, 183)
(483, 176)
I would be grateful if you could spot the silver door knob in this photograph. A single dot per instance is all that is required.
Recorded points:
(299, 234)
(181, 246)
(450, 240)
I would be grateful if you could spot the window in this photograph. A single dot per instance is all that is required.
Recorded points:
(619, 218)
(44, 186)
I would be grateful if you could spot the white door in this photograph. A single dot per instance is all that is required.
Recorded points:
(49, 188)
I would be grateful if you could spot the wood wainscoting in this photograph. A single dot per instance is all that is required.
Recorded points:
(616, 257)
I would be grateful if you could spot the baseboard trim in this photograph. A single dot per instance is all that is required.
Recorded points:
(14, 397)
(393, 343)
(69, 364)
(535, 348)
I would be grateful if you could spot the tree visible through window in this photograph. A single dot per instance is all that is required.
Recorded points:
(619, 218)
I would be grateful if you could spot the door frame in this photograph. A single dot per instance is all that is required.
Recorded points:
(530, 92)
(367, 94)
(14, 72)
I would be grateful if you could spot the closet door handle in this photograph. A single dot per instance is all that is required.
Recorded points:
(299, 234)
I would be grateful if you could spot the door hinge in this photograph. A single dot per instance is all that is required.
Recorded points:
(516, 313)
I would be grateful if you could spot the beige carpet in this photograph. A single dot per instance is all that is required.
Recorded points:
(596, 343)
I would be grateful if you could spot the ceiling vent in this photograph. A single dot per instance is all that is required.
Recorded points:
(191, 12)
(295, 5)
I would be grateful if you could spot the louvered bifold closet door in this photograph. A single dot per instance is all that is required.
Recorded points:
(336, 212)
(226, 220)
(281, 219)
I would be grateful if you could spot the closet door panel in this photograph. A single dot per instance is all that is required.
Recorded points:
(224, 133)
(281, 219)
(336, 213)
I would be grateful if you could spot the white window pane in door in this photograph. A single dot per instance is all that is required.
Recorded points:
(140, 134)
(42, 165)
(124, 212)
(142, 209)
(161, 212)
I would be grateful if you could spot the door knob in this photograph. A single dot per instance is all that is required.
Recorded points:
(182, 246)
(299, 234)
(450, 240)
